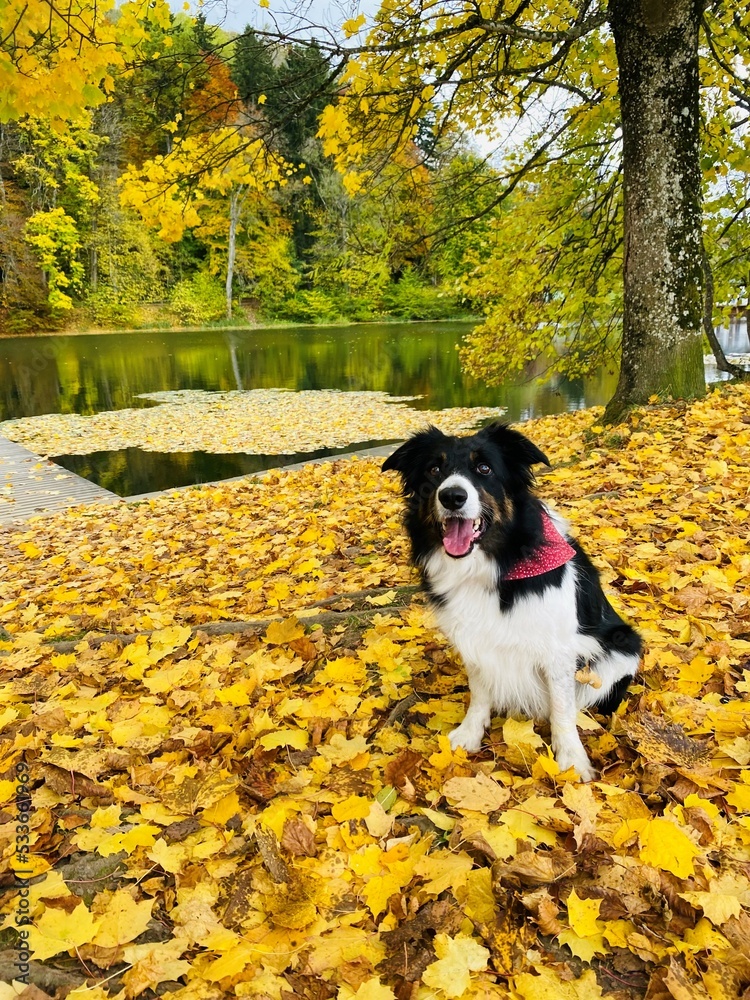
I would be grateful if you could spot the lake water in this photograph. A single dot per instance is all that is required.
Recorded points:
(88, 374)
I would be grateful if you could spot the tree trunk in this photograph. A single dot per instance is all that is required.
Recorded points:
(657, 53)
(235, 206)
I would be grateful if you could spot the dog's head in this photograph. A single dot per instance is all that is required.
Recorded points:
(464, 491)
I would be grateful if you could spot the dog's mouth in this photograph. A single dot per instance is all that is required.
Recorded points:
(460, 534)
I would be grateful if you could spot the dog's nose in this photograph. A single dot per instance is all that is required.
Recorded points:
(453, 497)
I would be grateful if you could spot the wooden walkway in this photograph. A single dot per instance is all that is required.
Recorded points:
(30, 485)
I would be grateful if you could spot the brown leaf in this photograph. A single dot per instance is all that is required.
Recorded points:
(238, 902)
(269, 851)
(664, 742)
(410, 947)
(70, 783)
(683, 986)
(536, 867)
(298, 839)
(304, 648)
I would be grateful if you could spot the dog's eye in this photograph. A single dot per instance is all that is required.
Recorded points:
(483, 469)
(434, 470)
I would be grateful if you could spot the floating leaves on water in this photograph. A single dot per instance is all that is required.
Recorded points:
(253, 422)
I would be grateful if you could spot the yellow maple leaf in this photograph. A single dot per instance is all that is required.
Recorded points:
(583, 914)
(341, 750)
(121, 919)
(171, 857)
(479, 793)
(664, 845)
(547, 985)
(279, 633)
(370, 989)
(458, 957)
(56, 931)
(378, 890)
(152, 964)
(724, 899)
(443, 869)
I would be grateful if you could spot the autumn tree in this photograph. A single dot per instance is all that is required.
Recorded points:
(617, 89)
(56, 60)
(170, 192)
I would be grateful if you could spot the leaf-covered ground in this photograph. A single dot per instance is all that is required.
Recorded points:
(254, 421)
(278, 814)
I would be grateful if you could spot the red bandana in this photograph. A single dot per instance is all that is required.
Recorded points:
(555, 552)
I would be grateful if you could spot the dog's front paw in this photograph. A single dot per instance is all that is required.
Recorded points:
(575, 757)
(467, 737)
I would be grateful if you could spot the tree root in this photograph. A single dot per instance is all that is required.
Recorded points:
(324, 618)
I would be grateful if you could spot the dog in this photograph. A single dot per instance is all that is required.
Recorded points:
(513, 592)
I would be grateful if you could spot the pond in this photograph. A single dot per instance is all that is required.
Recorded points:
(92, 373)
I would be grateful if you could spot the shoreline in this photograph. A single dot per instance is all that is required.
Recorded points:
(262, 327)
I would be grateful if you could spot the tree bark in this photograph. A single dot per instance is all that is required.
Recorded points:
(236, 198)
(657, 53)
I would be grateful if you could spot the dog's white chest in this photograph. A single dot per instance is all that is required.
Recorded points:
(507, 651)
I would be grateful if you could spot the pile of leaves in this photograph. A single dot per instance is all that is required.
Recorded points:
(253, 421)
(277, 813)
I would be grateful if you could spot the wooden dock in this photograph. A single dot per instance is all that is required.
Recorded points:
(30, 485)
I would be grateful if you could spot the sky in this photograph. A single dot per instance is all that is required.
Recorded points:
(233, 15)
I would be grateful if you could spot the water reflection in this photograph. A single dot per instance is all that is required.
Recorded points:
(88, 374)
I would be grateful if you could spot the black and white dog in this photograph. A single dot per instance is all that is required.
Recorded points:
(519, 600)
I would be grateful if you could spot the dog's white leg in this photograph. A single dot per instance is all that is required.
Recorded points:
(469, 734)
(566, 742)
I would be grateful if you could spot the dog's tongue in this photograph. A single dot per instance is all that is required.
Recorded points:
(459, 534)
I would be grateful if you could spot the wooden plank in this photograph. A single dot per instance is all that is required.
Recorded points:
(30, 485)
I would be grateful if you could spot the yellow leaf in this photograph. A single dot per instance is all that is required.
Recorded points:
(665, 846)
(444, 756)
(341, 750)
(443, 870)
(480, 793)
(722, 900)
(353, 24)
(355, 807)
(378, 890)
(57, 931)
(222, 811)
(457, 958)
(547, 985)
(121, 919)
(297, 739)
(243, 954)
(279, 633)
(371, 989)
(583, 914)
(383, 599)
(517, 733)
(171, 857)
(476, 896)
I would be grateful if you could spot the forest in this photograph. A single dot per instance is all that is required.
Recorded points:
(303, 247)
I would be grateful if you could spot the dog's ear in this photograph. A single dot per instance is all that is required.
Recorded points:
(516, 448)
(409, 458)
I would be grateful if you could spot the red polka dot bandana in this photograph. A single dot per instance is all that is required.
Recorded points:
(552, 554)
